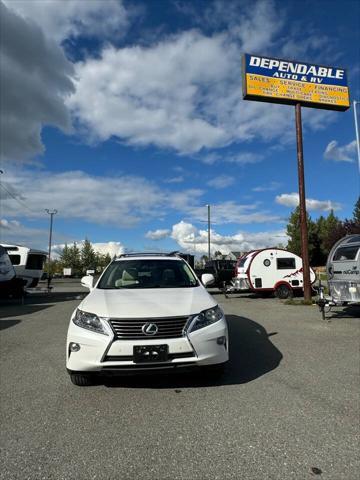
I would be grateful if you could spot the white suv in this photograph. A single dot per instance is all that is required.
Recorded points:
(147, 312)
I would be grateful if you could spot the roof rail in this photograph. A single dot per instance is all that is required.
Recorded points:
(150, 254)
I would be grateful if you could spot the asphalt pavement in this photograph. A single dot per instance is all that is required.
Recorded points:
(288, 407)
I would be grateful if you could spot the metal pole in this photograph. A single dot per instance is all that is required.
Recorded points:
(51, 213)
(302, 203)
(357, 132)
(209, 251)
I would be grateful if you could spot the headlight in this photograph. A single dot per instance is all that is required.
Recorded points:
(205, 318)
(89, 321)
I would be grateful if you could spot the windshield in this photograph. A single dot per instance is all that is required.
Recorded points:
(148, 274)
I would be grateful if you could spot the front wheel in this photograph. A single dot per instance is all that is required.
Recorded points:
(284, 291)
(82, 380)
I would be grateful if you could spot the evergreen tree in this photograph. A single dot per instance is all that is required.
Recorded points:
(75, 260)
(330, 230)
(87, 256)
(294, 233)
(356, 213)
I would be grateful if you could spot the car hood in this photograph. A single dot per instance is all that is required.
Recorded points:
(160, 302)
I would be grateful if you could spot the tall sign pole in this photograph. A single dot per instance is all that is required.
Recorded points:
(289, 82)
(302, 204)
(51, 213)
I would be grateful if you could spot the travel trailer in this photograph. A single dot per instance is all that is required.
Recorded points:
(269, 270)
(10, 285)
(343, 270)
(28, 263)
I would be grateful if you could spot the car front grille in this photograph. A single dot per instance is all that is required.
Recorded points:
(131, 328)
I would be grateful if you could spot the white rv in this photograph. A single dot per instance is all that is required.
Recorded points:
(343, 269)
(270, 270)
(28, 263)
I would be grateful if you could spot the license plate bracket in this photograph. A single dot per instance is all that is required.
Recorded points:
(150, 353)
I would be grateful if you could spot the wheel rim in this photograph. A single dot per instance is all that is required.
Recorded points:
(283, 291)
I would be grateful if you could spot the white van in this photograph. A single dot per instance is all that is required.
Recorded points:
(270, 270)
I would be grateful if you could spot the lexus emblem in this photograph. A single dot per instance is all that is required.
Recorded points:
(150, 329)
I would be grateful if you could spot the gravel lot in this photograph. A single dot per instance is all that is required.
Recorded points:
(288, 407)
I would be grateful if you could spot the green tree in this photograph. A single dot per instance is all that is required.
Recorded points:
(87, 256)
(294, 234)
(75, 259)
(65, 257)
(330, 230)
(356, 213)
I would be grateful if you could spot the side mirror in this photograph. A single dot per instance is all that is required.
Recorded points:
(87, 282)
(207, 279)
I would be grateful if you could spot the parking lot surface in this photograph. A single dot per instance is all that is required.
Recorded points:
(288, 407)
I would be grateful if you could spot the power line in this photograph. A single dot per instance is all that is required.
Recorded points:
(16, 198)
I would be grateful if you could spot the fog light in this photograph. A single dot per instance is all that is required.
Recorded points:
(221, 340)
(74, 347)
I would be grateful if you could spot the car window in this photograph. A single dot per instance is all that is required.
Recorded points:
(138, 274)
(345, 253)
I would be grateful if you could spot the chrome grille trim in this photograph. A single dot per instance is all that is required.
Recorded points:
(130, 328)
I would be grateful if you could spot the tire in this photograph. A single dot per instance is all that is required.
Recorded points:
(82, 380)
(284, 291)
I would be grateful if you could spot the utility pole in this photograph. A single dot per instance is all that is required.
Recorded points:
(302, 204)
(209, 251)
(51, 213)
(357, 132)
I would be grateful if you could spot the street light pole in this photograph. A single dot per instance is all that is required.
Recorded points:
(51, 213)
(209, 250)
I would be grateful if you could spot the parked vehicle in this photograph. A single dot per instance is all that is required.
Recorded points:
(10, 286)
(343, 270)
(270, 270)
(147, 312)
(28, 263)
(223, 271)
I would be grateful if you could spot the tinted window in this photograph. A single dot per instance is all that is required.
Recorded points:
(15, 259)
(345, 253)
(35, 262)
(148, 274)
(285, 263)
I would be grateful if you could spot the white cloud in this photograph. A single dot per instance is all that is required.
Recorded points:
(191, 239)
(122, 201)
(157, 234)
(184, 91)
(14, 232)
(178, 179)
(61, 19)
(340, 154)
(241, 158)
(270, 187)
(222, 181)
(292, 200)
(232, 212)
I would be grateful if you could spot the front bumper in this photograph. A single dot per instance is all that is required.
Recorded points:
(104, 353)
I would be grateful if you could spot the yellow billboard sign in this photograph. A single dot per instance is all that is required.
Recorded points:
(281, 81)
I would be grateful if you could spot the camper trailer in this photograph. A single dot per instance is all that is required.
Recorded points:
(343, 270)
(270, 270)
(28, 263)
(10, 285)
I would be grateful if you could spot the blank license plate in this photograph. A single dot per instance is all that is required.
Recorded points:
(150, 353)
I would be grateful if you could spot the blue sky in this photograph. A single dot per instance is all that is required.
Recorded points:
(128, 118)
